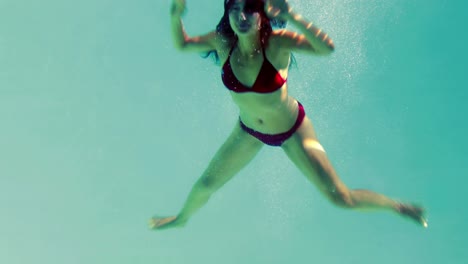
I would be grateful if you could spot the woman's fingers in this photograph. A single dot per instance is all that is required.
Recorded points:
(277, 8)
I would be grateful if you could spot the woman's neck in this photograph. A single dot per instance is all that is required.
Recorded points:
(249, 45)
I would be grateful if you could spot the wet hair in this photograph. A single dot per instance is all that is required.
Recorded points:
(251, 6)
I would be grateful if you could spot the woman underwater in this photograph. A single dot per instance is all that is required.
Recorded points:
(255, 60)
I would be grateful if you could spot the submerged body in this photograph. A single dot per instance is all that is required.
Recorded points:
(255, 61)
(264, 103)
(264, 106)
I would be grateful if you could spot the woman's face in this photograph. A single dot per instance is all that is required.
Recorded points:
(243, 19)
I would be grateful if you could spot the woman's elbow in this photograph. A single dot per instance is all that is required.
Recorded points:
(330, 46)
(180, 45)
(328, 49)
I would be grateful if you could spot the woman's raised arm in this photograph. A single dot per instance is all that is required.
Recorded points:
(311, 39)
(182, 41)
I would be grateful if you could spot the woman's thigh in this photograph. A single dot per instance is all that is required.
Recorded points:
(233, 155)
(306, 152)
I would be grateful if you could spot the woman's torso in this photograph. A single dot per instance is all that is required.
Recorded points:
(270, 112)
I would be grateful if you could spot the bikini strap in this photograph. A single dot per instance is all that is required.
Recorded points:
(264, 55)
(232, 48)
(230, 52)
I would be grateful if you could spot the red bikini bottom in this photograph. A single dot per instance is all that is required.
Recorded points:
(276, 139)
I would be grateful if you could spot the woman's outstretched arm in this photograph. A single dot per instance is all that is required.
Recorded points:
(181, 40)
(311, 38)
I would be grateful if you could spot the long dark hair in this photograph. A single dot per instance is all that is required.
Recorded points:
(224, 27)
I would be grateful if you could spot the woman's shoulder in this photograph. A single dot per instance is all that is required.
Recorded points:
(277, 50)
(220, 45)
(223, 45)
(281, 37)
(221, 41)
(280, 41)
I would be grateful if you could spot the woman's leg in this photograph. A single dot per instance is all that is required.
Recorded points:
(308, 155)
(236, 152)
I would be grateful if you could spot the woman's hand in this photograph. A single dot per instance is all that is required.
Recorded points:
(178, 7)
(278, 9)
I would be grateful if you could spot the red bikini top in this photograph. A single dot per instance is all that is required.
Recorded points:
(268, 79)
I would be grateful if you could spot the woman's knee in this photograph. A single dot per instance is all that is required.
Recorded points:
(209, 183)
(341, 198)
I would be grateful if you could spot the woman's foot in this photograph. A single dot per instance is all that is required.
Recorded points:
(160, 223)
(414, 212)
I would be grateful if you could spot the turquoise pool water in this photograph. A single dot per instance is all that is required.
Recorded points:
(104, 124)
